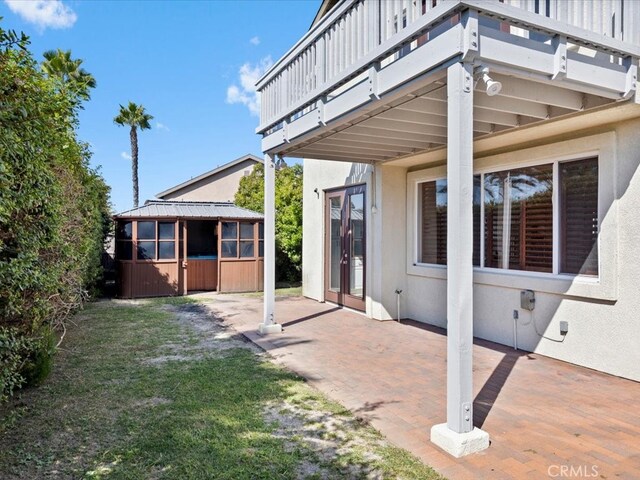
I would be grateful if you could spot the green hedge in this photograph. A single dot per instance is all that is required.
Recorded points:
(54, 215)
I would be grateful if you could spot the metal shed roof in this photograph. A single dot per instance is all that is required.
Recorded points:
(174, 209)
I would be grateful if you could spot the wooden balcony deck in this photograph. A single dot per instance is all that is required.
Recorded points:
(365, 58)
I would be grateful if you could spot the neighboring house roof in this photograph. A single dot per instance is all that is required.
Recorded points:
(210, 173)
(325, 6)
(177, 209)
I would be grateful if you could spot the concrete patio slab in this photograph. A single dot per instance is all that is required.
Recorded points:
(545, 418)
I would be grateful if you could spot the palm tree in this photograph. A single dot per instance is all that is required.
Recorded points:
(59, 65)
(136, 117)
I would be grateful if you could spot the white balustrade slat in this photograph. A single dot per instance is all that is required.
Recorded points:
(313, 71)
(339, 45)
(361, 31)
(328, 56)
(335, 39)
(394, 17)
(343, 43)
(606, 19)
(355, 33)
(351, 38)
(384, 6)
(364, 24)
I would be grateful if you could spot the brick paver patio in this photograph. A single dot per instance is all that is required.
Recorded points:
(546, 418)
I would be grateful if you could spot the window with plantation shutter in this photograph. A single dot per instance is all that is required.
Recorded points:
(523, 224)
(519, 219)
(579, 217)
(433, 222)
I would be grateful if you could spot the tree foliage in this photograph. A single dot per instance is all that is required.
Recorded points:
(68, 75)
(54, 212)
(135, 117)
(288, 214)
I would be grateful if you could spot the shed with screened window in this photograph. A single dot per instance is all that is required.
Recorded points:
(171, 248)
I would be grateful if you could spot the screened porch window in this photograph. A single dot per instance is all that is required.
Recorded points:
(239, 240)
(124, 240)
(156, 240)
(146, 240)
(518, 212)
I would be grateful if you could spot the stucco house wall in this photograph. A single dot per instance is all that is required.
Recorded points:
(220, 186)
(603, 313)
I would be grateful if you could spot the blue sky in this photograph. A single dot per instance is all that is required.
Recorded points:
(178, 59)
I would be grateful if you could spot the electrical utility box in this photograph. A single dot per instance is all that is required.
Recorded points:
(527, 300)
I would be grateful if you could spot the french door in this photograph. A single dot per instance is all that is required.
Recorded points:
(345, 247)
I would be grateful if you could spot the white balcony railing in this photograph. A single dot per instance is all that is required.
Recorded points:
(357, 33)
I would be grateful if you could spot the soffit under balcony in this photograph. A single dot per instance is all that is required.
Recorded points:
(417, 122)
(391, 103)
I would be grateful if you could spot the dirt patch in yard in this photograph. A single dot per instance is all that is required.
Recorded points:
(337, 445)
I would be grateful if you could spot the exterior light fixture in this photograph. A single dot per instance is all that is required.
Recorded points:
(493, 87)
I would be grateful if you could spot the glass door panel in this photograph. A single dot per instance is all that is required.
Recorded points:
(356, 244)
(345, 247)
(335, 244)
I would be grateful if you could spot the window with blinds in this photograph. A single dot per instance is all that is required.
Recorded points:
(519, 219)
(433, 222)
(579, 217)
(514, 212)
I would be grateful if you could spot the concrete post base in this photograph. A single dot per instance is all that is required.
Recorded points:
(459, 444)
(265, 329)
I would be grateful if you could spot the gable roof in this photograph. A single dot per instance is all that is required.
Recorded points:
(325, 6)
(180, 209)
(210, 173)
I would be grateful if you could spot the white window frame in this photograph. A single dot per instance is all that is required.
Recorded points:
(603, 286)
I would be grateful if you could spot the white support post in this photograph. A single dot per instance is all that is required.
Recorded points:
(458, 436)
(269, 324)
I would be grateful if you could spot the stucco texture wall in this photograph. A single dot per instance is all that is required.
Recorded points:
(220, 187)
(603, 314)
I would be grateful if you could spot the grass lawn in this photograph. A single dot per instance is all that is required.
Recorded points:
(160, 389)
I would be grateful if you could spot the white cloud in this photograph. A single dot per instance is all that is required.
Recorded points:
(44, 13)
(255, 40)
(162, 126)
(125, 155)
(246, 93)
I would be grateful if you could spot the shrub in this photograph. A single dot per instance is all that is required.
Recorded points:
(14, 349)
(54, 214)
